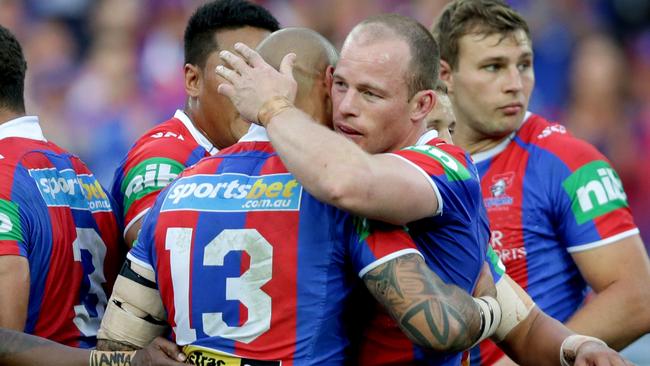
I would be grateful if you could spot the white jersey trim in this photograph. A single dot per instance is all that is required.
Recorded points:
(603, 242)
(487, 154)
(255, 133)
(387, 258)
(140, 262)
(433, 184)
(196, 134)
(134, 219)
(27, 127)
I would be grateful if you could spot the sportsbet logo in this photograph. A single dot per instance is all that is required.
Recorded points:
(595, 189)
(10, 228)
(454, 170)
(67, 188)
(234, 193)
(149, 176)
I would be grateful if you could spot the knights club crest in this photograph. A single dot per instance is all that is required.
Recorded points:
(499, 190)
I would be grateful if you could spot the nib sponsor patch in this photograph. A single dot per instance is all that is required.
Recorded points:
(595, 189)
(234, 193)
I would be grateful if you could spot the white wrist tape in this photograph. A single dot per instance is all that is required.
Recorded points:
(515, 306)
(569, 348)
(490, 316)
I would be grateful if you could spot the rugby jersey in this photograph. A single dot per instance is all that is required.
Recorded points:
(56, 214)
(153, 162)
(549, 194)
(454, 243)
(250, 264)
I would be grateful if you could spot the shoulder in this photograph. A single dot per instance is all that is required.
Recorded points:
(551, 139)
(437, 157)
(169, 140)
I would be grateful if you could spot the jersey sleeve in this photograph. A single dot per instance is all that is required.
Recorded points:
(148, 169)
(453, 177)
(142, 250)
(497, 268)
(591, 207)
(374, 243)
(14, 217)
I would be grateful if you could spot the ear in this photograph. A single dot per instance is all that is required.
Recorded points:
(192, 80)
(329, 79)
(422, 104)
(446, 75)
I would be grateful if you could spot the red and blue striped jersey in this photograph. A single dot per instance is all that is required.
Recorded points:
(454, 243)
(249, 263)
(155, 159)
(56, 214)
(549, 194)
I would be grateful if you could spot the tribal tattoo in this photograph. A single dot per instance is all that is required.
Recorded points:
(431, 313)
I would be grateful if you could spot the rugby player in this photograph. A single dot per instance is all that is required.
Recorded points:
(378, 104)
(207, 123)
(60, 246)
(251, 269)
(558, 212)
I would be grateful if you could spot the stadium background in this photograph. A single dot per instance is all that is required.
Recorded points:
(101, 72)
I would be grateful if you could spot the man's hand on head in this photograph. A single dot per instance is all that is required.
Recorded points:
(251, 82)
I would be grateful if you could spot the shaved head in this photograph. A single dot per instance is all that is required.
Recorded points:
(314, 53)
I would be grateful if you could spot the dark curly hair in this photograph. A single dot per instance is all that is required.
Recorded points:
(221, 15)
(12, 72)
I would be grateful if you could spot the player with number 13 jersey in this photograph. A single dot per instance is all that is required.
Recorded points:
(248, 263)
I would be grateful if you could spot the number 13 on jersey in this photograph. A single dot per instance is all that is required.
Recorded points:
(246, 288)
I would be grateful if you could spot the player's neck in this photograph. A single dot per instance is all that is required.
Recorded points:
(473, 142)
(7, 115)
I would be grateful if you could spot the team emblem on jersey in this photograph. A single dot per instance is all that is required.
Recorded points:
(501, 182)
(234, 193)
(66, 188)
(595, 189)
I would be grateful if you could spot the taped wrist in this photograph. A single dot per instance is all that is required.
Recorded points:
(490, 316)
(515, 303)
(272, 107)
(111, 358)
(569, 348)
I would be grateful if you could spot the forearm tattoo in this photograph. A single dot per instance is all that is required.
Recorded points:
(108, 358)
(430, 312)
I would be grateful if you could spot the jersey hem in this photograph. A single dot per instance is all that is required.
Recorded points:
(387, 258)
(603, 242)
(134, 219)
(140, 262)
(433, 183)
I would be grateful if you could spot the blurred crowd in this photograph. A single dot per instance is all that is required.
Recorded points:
(101, 72)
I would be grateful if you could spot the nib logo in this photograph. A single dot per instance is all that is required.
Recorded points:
(595, 189)
(149, 176)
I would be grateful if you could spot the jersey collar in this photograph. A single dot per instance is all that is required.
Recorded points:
(490, 153)
(196, 134)
(26, 127)
(428, 136)
(255, 133)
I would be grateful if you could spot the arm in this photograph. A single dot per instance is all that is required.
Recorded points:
(337, 171)
(14, 291)
(332, 168)
(619, 274)
(431, 313)
(19, 349)
(132, 234)
(135, 313)
(530, 337)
